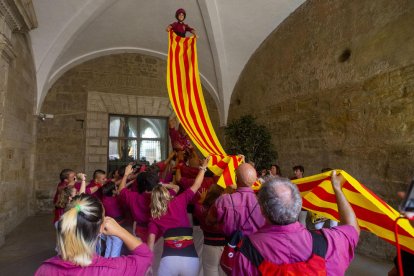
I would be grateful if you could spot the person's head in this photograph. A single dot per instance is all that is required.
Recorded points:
(213, 193)
(194, 161)
(326, 170)
(263, 172)
(298, 171)
(114, 174)
(160, 197)
(99, 176)
(109, 188)
(121, 171)
(67, 175)
(78, 229)
(65, 196)
(180, 15)
(275, 170)
(147, 181)
(246, 175)
(280, 201)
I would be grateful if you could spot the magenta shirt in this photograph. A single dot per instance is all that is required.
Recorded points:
(165, 176)
(282, 244)
(98, 193)
(178, 140)
(201, 212)
(181, 27)
(176, 215)
(138, 204)
(135, 264)
(231, 219)
(112, 206)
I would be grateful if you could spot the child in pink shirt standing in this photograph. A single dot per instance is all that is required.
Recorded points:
(169, 218)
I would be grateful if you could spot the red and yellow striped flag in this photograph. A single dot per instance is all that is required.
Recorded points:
(187, 100)
(373, 214)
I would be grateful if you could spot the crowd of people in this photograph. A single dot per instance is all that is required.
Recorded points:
(113, 225)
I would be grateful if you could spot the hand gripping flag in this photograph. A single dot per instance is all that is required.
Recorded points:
(373, 214)
(187, 100)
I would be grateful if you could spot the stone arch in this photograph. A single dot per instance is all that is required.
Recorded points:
(82, 98)
(208, 87)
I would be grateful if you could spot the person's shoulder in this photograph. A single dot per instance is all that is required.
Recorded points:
(347, 230)
(346, 233)
(223, 200)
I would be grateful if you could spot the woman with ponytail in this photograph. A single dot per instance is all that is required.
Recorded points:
(169, 218)
(78, 231)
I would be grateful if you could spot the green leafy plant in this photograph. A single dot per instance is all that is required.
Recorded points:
(245, 136)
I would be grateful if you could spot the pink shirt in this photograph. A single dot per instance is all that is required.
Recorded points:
(231, 218)
(176, 215)
(135, 264)
(138, 204)
(201, 212)
(178, 140)
(282, 244)
(190, 172)
(165, 176)
(180, 28)
(98, 193)
(112, 206)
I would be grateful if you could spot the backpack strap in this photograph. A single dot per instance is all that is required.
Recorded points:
(319, 243)
(319, 247)
(250, 252)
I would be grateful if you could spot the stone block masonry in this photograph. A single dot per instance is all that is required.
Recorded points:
(97, 121)
(335, 84)
(82, 100)
(17, 126)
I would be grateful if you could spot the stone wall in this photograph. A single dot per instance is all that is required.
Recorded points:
(335, 85)
(81, 100)
(100, 105)
(17, 122)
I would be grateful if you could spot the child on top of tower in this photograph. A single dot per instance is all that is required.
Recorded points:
(179, 27)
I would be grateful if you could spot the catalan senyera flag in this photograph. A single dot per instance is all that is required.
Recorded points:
(373, 214)
(187, 100)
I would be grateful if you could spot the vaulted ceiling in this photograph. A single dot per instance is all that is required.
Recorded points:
(71, 32)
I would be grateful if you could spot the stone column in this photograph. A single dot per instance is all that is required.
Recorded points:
(15, 16)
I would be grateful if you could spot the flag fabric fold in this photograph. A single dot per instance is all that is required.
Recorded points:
(186, 96)
(373, 214)
(187, 100)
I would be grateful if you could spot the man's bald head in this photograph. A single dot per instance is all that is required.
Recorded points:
(246, 175)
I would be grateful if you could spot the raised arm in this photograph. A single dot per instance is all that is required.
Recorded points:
(82, 189)
(111, 228)
(200, 176)
(151, 241)
(128, 171)
(346, 213)
(170, 157)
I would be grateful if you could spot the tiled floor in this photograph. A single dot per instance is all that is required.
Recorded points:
(34, 241)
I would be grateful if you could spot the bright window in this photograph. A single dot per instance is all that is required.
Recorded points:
(136, 139)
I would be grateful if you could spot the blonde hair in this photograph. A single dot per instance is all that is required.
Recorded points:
(160, 197)
(64, 197)
(78, 230)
